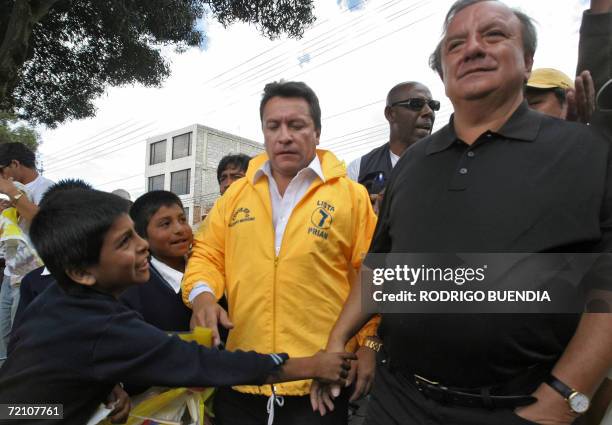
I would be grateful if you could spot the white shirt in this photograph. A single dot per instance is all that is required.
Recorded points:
(282, 206)
(171, 276)
(37, 188)
(353, 168)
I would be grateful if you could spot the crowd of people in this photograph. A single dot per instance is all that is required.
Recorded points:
(95, 287)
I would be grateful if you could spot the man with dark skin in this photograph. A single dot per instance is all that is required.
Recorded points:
(410, 119)
(484, 59)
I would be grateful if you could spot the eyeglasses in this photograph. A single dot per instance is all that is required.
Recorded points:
(417, 103)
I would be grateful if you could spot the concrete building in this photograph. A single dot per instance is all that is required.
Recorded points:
(184, 161)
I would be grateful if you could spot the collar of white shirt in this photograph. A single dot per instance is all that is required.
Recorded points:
(172, 277)
(314, 166)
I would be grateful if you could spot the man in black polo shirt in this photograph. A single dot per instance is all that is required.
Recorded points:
(498, 178)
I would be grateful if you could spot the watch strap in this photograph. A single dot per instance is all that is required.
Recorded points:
(560, 387)
(17, 197)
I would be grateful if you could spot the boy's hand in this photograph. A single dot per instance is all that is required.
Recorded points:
(121, 401)
(7, 187)
(207, 313)
(332, 367)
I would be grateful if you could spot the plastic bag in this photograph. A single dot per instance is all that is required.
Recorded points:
(174, 406)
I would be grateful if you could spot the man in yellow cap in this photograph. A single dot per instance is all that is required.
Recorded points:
(547, 91)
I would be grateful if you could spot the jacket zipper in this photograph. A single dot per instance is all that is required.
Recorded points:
(274, 305)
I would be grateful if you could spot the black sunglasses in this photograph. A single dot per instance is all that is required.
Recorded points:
(417, 103)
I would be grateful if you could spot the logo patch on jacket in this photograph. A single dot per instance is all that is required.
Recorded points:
(240, 215)
(321, 219)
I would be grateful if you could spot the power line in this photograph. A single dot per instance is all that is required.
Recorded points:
(120, 179)
(136, 140)
(89, 155)
(61, 152)
(351, 25)
(267, 77)
(254, 69)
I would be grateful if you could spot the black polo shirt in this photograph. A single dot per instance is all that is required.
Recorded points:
(537, 185)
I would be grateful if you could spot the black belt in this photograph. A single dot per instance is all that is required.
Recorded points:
(469, 397)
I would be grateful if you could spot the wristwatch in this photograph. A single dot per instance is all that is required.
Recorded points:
(16, 197)
(577, 401)
(373, 344)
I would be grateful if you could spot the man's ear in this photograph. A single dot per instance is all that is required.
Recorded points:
(528, 66)
(389, 113)
(82, 277)
(318, 132)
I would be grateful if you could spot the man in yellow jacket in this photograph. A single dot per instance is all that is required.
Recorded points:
(284, 244)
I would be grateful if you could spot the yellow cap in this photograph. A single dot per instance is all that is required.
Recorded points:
(549, 78)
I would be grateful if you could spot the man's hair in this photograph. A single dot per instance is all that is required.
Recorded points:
(69, 229)
(239, 160)
(292, 89)
(64, 185)
(529, 34)
(397, 88)
(19, 152)
(148, 204)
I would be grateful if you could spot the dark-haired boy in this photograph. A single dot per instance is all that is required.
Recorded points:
(39, 279)
(77, 341)
(159, 218)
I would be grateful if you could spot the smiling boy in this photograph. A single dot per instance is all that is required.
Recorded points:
(160, 219)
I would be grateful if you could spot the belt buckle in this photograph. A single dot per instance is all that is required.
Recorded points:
(432, 389)
(419, 381)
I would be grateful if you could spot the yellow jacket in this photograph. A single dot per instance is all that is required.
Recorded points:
(287, 303)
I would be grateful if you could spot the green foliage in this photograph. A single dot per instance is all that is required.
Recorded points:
(75, 49)
(12, 131)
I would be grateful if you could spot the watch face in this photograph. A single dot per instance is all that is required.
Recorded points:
(579, 402)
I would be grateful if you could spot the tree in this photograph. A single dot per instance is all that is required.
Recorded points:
(57, 56)
(12, 131)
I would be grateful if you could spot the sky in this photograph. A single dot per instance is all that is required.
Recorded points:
(351, 56)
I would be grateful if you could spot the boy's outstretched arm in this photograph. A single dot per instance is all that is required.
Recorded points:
(324, 366)
(136, 353)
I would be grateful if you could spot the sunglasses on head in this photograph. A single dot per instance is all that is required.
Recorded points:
(417, 103)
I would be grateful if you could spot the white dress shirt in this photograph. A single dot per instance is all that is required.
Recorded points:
(171, 276)
(282, 205)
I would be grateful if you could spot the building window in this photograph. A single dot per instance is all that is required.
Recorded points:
(179, 182)
(186, 209)
(181, 146)
(156, 182)
(158, 152)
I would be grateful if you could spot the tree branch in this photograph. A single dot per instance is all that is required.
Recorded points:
(15, 43)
